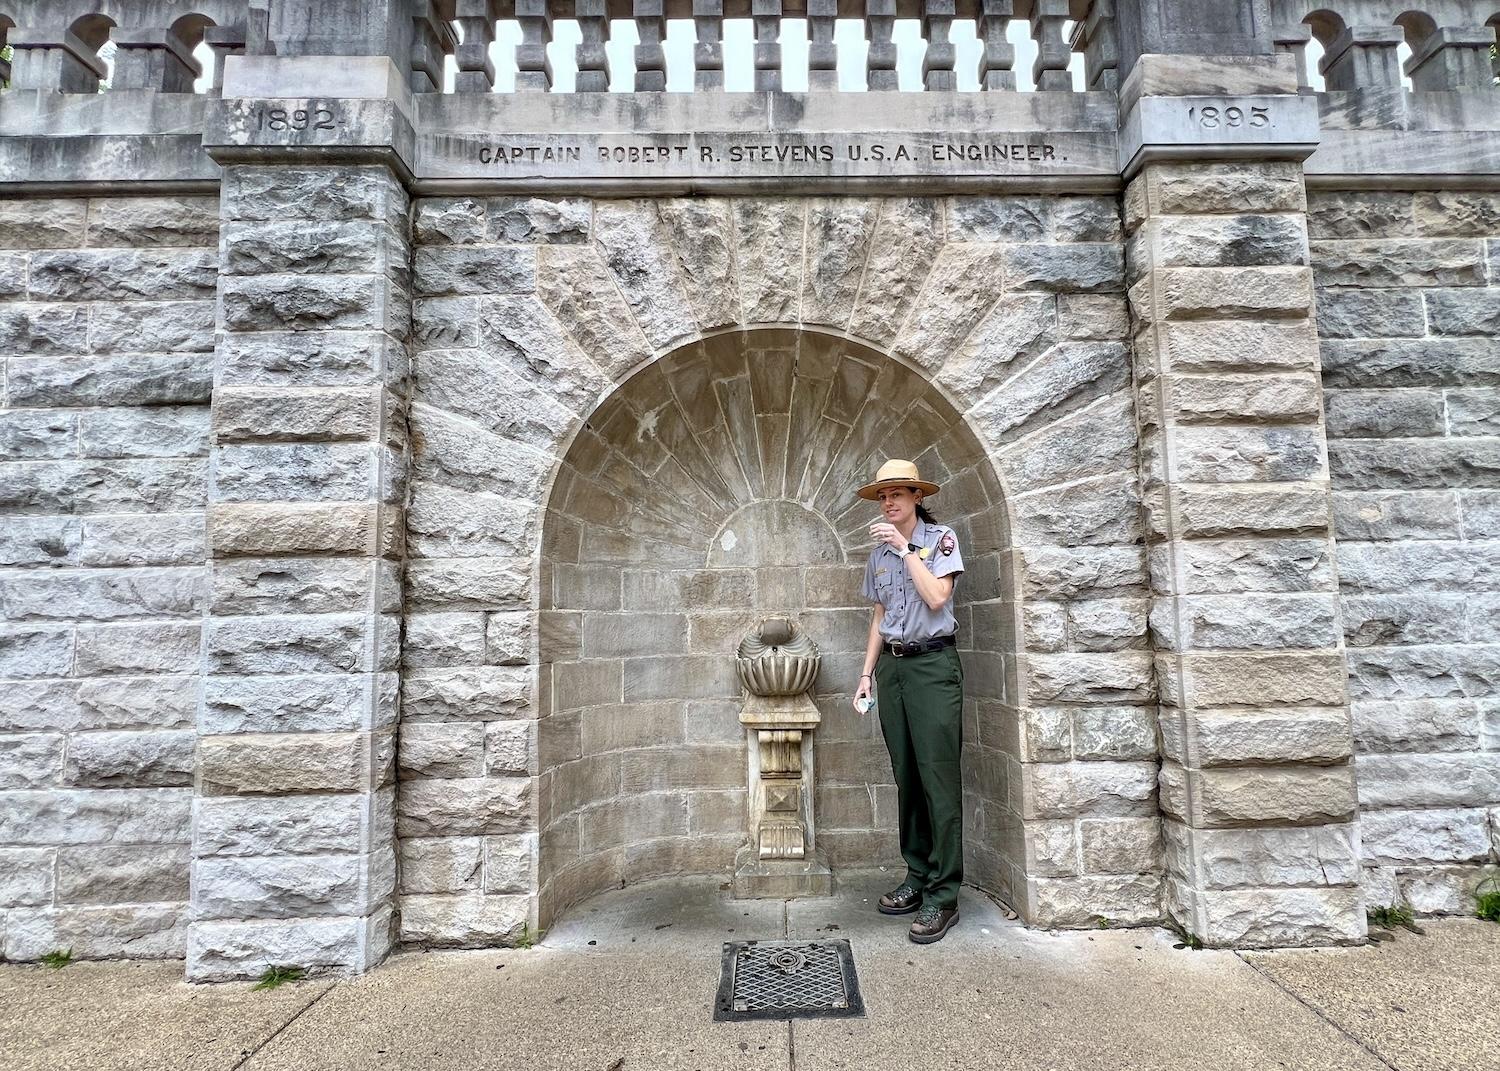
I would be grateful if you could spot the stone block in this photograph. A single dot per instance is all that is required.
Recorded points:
(1093, 316)
(1431, 565)
(304, 586)
(178, 220)
(38, 330)
(477, 693)
(292, 887)
(1368, 414)
(441, 749)
(26, 877)
(1104, 510)
(1219, 346)
(128, 379)
(315, 248)
(1414, 362)
(1454, 780)
(1081, 902)
(1230, 858)
(1242, 240)
(509, 863)
(1472, 311)
(40, 541)
(1213, 680)
(1361, 214)
(1254, 565)
(1244, 398)
(154, 873)
(1371, 314)
(464, 921)
(1416, 725)
(36, 434)
(122, 274)
(279, 192)
(576, 287)
(95, 816)
(297, 358)
(138, 649)
(310, 643)
(1481, 513)
(1107, 624)
(302, 303)
(102, 594)
(469, 806)
(473, 220)
(1087, 789)
(467, 583)
(159, 431)
(1391, 619)
(639, 256)
(1064, 573)
(443, 639)
(1090, 678)
(1223, 293)
(1248, 737)
(267, 528)
(1443, 890)
(36, 652)
(219, 951)
(1066, 378)
(257, 414)
(1275, 918)
(290, 763)
(1114, 733)
(1248, 621)
(1226, 188)
(1433, 463)
(305, 472)
(298, 703)
(442, 271)
(1434, 671)
(1229, 454)
(152, 327)
(1457, 213)
(1271, 795)
(1409, 837)
(676, 677)
(1395, 515)
(1370, 263)
(441, 864)
(291, 825)
(1473, 412)
(1076, 267)
(507, 638)
(136, 931)
(1229, 510)
(1120, 845)
(43, 223)
(507, 748)
(31, 760)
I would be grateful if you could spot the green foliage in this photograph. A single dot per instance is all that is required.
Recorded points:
(1391, 917)
(272, 977)
(529, 937)
(1487, 900)
(1185, 938)
(59, 959)
(1103, 923)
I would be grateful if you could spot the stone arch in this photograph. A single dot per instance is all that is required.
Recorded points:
(712, 489)
(534, 315)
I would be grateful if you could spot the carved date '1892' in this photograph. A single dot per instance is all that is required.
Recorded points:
(1211, 118)
(294, 119)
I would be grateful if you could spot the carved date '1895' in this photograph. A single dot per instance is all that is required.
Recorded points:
(294, 119)
(1211, 118)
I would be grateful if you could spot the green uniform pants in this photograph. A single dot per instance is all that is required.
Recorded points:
(920, 699)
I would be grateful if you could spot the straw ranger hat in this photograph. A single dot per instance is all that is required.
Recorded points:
(896, 473)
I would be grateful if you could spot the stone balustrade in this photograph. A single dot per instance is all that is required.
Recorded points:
(1451, 43)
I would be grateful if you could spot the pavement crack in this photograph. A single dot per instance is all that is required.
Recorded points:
(1316, 1011)
(791, 1045)
(277, 1033)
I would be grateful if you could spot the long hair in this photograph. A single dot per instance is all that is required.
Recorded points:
(924, 516)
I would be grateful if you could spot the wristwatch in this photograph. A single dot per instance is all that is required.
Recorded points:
(903, 552)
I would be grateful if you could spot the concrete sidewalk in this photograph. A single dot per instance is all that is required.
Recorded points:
(627, 984)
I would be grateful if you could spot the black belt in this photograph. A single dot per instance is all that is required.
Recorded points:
(901, 650)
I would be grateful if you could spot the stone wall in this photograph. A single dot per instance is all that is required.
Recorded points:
(107, 336)
(1008, 312)
(1408, 299)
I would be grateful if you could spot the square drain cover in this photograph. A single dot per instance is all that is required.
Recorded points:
(787, 980)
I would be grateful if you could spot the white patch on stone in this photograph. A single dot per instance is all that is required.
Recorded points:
(728, 541)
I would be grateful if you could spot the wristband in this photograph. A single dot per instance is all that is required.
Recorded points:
(903, 552)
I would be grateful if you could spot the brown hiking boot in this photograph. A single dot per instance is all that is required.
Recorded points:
(901, 900)
(932, 923)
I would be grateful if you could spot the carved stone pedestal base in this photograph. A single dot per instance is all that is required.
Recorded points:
(779, 879)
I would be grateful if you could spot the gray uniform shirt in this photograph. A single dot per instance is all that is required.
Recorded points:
(888, 582)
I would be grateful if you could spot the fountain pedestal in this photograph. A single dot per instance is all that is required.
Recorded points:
(782, 859)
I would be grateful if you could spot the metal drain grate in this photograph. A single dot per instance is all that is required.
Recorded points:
(787, 980)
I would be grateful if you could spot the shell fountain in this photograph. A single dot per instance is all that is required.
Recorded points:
(778, 659)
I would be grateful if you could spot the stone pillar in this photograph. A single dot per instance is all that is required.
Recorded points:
(293, 835)
(1257, 786)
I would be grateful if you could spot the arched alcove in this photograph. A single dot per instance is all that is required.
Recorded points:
(714, 488)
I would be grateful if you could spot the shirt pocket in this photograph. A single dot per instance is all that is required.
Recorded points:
(885, 587)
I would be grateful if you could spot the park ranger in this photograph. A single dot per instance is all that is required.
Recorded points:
(911, 661)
